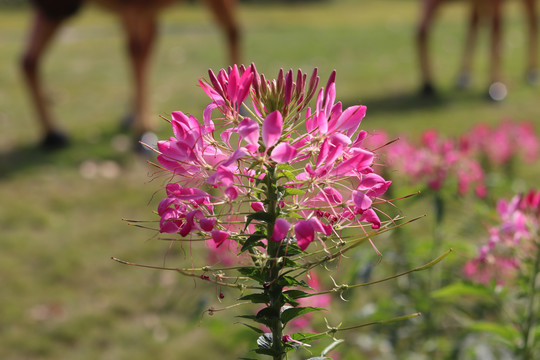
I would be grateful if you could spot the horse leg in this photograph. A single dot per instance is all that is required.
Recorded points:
(497, 89)
(496, 41)
(531, 14)
(223, 11)
(140, 27)
(41, 34)
(429, 8)
(464, 77)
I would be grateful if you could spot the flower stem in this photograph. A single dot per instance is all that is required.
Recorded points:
(531, 312)
(274, 289)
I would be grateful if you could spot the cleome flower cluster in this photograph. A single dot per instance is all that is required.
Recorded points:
(438, 162)
(265, 154)
(512, 244)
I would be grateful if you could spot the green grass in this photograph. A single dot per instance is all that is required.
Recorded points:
(61, 296)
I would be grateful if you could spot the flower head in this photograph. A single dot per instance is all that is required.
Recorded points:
(510, 243)
(286, 170)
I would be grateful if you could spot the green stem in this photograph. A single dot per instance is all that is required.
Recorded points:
(531, 318)
(274, 289)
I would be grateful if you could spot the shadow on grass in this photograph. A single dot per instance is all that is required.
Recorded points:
(407, 101)
(110, 145)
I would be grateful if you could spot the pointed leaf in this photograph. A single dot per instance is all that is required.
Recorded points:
(505, 331)
(292, 313)
(294, 191)
(256, 298)
(289, 281)
(297, 294)
(256, 329)
(263, 321)
(252, 241)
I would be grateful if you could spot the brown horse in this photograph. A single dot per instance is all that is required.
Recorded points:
(139, 19)
(490, 11)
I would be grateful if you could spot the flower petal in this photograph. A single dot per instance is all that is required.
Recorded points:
(272, 128)
(371, 216)
(219, 237)
(231, 192)
(318, 226)
(248, 129)
(305, 234)
(361, 200)
(207, 224)
(281, 228)
(257, 206)
(350, 119)
(283, 153)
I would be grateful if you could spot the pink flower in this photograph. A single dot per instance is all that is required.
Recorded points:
(510, 242)
(435, 160)
(248, 129)
(304, 233)
(283, 153)
(272, 129)
(281, 228)
(316, 161)
(500, 144)
(219, 237)
(257, 206)
(229, 87)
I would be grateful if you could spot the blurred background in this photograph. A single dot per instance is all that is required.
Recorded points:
(61, 213)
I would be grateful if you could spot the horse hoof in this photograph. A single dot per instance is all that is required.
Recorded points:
(463, 81)
(428, 90)
(532, 77)
(54, 140)
(497, 91)
(146, 143)
(126, 122)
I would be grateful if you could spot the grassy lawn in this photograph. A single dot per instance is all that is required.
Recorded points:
(62, 297)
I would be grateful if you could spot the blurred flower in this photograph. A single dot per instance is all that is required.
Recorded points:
(434, 161)
(500, 144)
(510, 243)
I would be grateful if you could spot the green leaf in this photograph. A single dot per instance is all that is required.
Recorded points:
(259, 216)
(252, 273)
(295, 215)
(291, 302)
(504, 331)
(257, 330)
(285, 167)
(252, 241)
(289, 281)
(460, 289)
(256, 298)
(291, 313)
(261, 320)
(294, 191)
(291, 296)
(268, 352)
(288, 263)
(296, 294)
(289, 175)
(290, 249)
(266, 313)
(307, 336)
